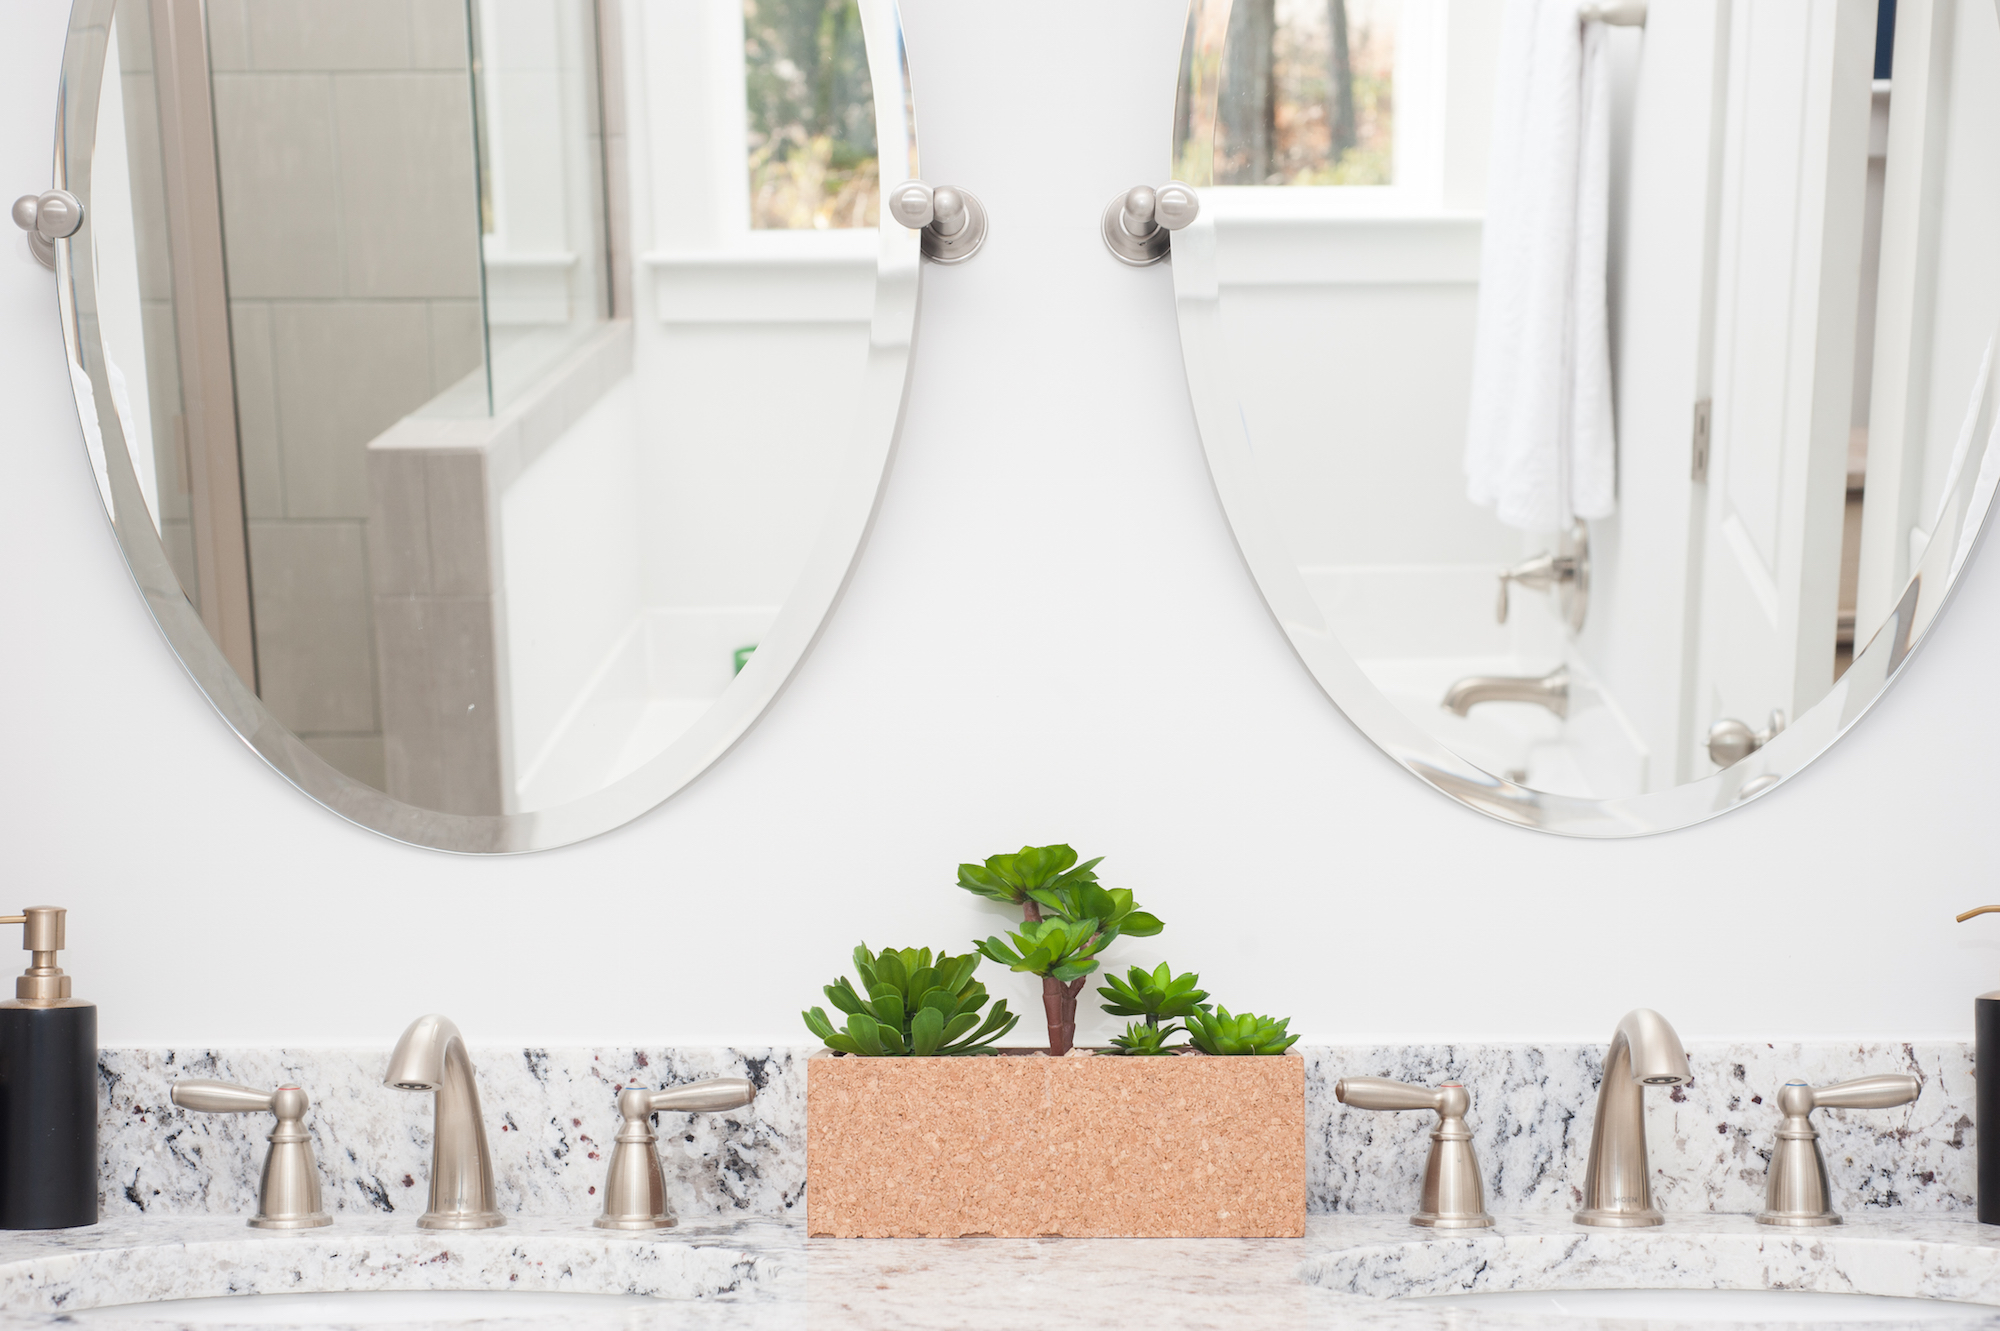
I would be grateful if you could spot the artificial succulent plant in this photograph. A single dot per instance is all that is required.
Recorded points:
(1157, 995)
(1219, 1032)
(1068, 918)
(1158, 998)
(1139, 1039)
(915, 1005)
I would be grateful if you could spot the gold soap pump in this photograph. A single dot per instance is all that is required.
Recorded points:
(48, 1088)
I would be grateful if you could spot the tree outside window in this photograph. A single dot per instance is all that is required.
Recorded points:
(1306, 93)
(812, 155)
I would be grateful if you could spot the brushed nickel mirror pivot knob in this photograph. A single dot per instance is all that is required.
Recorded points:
(48, 218)
(1731, 741)
(952, 220)
(1139, 224)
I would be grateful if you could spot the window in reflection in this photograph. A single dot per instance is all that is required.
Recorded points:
(1307, 93)
(811, 116)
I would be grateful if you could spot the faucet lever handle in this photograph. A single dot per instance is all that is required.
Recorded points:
(1381, 1093)
(1796, 1190)
(1884, 1091)
(1453, 1197)
(712, 1095)
(221, 1097)
(288, 1193)
(635, 1187)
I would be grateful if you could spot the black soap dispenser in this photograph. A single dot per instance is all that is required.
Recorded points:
(48, 1089)
(1986, 1093)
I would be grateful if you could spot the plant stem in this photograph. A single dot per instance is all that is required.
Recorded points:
(1059, 1003)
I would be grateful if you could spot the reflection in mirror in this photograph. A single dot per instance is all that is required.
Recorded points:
(489, 394)
(1605, 410)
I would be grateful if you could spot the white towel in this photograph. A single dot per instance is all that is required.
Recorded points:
(1541, 446)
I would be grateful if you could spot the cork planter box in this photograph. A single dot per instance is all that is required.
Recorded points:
(1030, 1147)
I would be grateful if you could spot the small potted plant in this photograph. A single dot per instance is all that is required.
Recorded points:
(915, 1128)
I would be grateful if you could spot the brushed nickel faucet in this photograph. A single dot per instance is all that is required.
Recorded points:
(1453, 1197)
(1550, 691)
(431, 1056)
(1617, 1183)
(288, 1193)
(635, 1188)
(1795, 1188)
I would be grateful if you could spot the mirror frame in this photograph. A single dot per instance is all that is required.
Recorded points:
(1233, 465)
(870, 444)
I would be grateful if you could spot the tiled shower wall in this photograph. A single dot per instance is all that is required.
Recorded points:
(350, 219)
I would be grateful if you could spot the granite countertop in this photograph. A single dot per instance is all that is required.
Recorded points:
(767, 1276)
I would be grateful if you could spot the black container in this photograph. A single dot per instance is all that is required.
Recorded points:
(1986, 1079)
(48, 1114)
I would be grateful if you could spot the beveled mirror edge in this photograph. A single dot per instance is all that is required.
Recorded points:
(814, 596)
(1232, 466)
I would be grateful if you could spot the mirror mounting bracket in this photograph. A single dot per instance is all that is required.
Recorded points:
(952, 220)
(1139, 224)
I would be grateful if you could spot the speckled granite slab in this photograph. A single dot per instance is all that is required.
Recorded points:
(1532, 1107)
(1349, 1272)
(550, 1119)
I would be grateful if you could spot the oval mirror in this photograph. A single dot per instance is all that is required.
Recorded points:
(489, 396)
(1603, 399)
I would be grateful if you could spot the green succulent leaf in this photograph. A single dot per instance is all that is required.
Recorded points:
(1219, 1032)
(998, 1022)
(866, 1032)
(926, 1031)
(960, 1024)
(887, 1005)
(921, 1004)
(841, 994)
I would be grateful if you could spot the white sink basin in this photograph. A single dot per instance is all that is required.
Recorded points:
(1720, 1306)
(375, 1308)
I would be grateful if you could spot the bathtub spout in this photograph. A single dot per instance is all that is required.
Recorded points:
(1550, 691)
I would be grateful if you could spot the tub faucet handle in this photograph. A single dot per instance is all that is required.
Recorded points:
(635, 1187)
(1795, 1185)
(288, 1194)
(1454, 1197)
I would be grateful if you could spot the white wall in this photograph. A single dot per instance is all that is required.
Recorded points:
(1049, 635)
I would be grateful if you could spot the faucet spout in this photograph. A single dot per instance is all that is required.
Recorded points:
(431, 1056)
(1617, 1182)
(1550, 691)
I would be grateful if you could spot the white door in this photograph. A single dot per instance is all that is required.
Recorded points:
(1637, 643)
(1787, 283)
